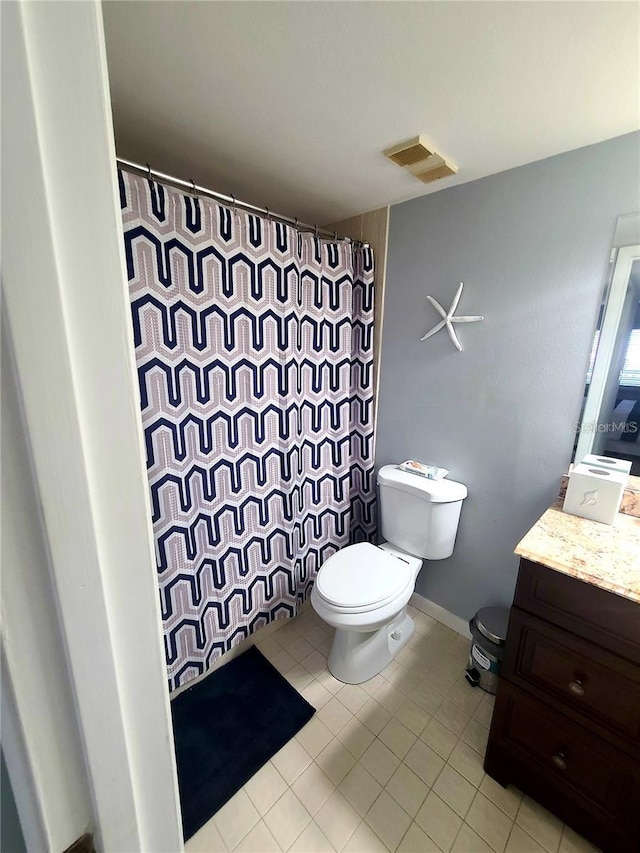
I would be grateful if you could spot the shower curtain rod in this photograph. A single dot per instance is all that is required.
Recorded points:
(232, 201)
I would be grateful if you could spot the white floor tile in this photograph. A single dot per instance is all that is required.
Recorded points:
(380, 761)
(539, 823)
(291, 760)
(206, 840)
(388, 820)
(427, 697)
(484, 713)
(520, 842)
(338, 820)
(313, 788)
(286, 819)
(336, 761)
(476, 735)
(299, 648)
(489, 822)
(417, 841)
(442, 679)
(259, 840)
(452, 716)
(312, 840)
(374, 716)
(424, 762)
(404, 681)
(373, 684)
(334, 715)
(407, 789)
(389, 697)
(265, 787)
(439, 821)
(441, 739)
(356, 737)
(283, 661)
(468, 762)
(413, 716)
(455, 790)
(315, 694)
(314, 736)
(234, 820)
(298, 677)
(364, 840)
(468, 841)
(466, 696)
(352, 697)
(507, 799)
(397, 737)
(316, 664)
(360, 789)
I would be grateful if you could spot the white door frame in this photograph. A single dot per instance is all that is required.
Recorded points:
(67, 309)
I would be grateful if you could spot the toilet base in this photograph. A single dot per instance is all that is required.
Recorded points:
(357, 656)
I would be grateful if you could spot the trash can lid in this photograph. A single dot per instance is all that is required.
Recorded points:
(492, 622)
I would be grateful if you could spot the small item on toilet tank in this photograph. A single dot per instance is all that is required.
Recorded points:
(431, 472)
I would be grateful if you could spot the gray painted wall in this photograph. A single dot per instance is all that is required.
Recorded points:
(11, 838)
(531, 246)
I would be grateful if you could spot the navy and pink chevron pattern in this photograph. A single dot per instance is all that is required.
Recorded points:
(254, 354)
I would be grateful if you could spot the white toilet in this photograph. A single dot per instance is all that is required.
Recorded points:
(363, 590)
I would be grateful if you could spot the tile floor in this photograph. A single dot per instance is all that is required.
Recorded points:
(394, 764)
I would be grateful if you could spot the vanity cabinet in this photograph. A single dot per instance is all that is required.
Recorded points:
(566, 724)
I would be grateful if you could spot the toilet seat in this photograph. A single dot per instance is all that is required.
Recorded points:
(362, 577)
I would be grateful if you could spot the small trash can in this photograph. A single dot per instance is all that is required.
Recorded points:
(488, 633)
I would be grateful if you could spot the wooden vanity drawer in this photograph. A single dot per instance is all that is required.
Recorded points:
(603, 618)
(587, 782)
(585, 678)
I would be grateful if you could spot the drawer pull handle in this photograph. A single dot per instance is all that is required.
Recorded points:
(559, 761)
(576, 688)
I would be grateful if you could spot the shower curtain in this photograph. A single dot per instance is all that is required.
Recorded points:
(254, 352)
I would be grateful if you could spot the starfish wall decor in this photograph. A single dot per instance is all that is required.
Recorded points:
(448, 318)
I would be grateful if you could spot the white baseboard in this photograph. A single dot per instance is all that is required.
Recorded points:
(456, 623)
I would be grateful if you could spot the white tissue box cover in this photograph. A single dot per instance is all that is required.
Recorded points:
(594, 493)
(594, 461)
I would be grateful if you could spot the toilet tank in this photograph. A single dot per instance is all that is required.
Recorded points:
(418, 515)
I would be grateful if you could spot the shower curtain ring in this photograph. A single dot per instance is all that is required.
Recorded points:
(315, 230)
(268, 214)
(234, 204)
(149, 177)
(193, 185)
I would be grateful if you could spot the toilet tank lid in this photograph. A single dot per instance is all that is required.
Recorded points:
(435, 491)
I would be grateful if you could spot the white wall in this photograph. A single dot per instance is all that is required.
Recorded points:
(34, 665)
(67, 309)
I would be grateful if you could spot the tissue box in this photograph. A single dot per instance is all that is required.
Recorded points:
(594, 493)
(605, 462)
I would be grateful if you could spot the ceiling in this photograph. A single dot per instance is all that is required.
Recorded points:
(290, 104)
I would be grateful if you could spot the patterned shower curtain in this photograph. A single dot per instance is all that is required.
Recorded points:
(254, 353)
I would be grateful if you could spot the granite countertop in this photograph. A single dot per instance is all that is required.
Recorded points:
(606, 555)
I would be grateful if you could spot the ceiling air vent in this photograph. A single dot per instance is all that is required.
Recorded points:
(421, 160)
(408, 153)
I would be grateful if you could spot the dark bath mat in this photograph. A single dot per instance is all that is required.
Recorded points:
(226, 727)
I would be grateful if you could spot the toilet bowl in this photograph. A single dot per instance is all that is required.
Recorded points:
(363, 590)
